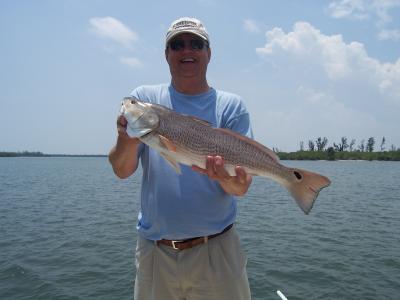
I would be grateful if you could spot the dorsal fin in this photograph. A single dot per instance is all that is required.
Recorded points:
(271, 153)
(193, 118)
(204, 122)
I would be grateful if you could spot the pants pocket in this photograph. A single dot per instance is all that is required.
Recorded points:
(226, 256)
(144, 259)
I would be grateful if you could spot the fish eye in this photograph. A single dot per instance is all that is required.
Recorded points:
(133, 101)
(298, 175)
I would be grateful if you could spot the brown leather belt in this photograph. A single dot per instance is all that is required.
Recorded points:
(190, 243)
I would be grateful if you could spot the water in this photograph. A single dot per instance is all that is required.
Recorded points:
(67, 228)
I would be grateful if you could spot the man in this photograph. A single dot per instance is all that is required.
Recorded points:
(187, 246)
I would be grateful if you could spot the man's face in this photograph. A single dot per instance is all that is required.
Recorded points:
(184, 61)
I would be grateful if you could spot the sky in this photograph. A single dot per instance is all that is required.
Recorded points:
(305, 69)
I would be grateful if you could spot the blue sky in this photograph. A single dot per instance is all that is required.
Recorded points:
(304, 68)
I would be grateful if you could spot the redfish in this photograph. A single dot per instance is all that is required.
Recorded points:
(188, 140)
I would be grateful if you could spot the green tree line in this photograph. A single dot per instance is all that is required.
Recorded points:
(319, 149)
(40, 154)
(22, 154)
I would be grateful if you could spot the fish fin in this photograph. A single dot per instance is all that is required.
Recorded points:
(167, 143)
(172, 162)
(204, 122)
(271, 153)
(306, 187)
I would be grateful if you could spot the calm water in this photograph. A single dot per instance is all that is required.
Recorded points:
(67, 231)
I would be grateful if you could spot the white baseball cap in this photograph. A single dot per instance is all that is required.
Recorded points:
(189, 25)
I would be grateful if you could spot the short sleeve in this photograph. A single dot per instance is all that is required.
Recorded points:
(234, 114)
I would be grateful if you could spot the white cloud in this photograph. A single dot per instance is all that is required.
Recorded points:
(331, 56)
(363, 9)
(130, 61)
(382, 8)
(329, 87)
(113, 29)
(251, 26)
(387, 34)
(348, 9)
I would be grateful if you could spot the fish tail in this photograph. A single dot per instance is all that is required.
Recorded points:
(306, 187)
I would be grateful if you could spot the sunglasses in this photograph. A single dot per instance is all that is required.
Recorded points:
(195, 44)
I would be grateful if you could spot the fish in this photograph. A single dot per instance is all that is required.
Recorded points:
(188, 140)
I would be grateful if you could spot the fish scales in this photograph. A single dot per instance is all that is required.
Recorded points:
(204, 140)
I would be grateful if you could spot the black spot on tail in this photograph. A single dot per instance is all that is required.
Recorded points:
(298, 175)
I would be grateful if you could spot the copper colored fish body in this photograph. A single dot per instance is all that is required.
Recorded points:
(189, 140)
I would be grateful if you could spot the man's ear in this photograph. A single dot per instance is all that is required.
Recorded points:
(166, 54)
(209, 53)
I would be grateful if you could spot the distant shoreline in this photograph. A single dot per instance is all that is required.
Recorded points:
(299, 155)
(40, 154)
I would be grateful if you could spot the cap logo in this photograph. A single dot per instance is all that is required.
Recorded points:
(185, 24)
(189, 25)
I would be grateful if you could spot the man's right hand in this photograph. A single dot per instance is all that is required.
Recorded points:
(122, 124)
(123, 156)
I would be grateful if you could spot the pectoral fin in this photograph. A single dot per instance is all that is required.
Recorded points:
(168, 144)
(169, 147)
(172, 162)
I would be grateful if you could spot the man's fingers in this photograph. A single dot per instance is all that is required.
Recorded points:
(121, 126)
(121, 121)
(215, 170)
(241, 174)
(210, 167)
(219, 168)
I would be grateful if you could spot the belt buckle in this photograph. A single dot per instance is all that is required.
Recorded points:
(174, 244)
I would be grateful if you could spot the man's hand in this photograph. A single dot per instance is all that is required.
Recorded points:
(122, 124)
(235, 185)
(123, 156)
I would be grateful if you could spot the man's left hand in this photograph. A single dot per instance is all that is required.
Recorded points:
(235, 185)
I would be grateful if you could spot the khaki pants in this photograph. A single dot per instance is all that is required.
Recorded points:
(214, 270)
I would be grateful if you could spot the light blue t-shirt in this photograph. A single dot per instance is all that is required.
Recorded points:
(183, 206)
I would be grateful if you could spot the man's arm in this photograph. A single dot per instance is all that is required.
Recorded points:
(234, 185)
(123, 156)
